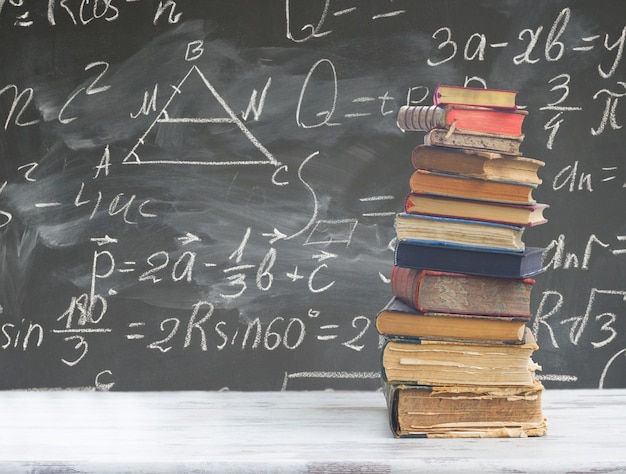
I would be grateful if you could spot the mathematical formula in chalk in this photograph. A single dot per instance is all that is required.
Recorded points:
(201, 195)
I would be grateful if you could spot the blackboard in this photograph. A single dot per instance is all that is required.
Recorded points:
(200, 194)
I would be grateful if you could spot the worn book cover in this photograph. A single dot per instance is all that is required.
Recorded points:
(477, 164)
(450, 185)
(436, 363)
(399, 320)
(465, 412)
(436, 230)
(505, 144)
(446, 292)
(514, 214)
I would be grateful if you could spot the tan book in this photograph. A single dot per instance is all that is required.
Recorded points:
(436, 363)
(436, 230)
(451, 185)
(466, 412)
(529, 215)
(501, 98)
(398, 319)
(477, 164)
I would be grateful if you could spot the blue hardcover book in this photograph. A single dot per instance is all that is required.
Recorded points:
(437, 230)
(473, 261)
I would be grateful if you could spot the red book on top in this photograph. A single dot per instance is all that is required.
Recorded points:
(497, 98)
(454, 117)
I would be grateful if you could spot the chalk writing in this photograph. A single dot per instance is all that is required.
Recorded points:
(608, 366)
(206, 199)
(557, 255)
(93, 88)
(163, 117)
(21, 102)
(578, 324)
(610, 109)
(22, 335)
(83, 12)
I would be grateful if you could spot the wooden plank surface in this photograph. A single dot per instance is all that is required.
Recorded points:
(287, 432)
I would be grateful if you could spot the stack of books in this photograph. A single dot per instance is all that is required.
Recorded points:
(457, 351)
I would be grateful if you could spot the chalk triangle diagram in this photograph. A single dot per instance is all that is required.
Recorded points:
(163, 117)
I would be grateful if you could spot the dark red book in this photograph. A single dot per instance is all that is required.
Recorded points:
(446, 292)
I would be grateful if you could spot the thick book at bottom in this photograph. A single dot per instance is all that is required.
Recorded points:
(465, 412)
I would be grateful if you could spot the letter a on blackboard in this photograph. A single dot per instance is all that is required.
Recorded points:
(164, 118)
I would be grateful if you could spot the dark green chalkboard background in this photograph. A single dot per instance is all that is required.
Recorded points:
(200, 194)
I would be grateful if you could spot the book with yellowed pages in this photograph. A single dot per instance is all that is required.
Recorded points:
(436, 363)
(465, 411)
(399, 320)
(519, 215)
(505, 144)
(422, 118)
(477, 164)
(500, 98)
(434, 230)
(451, 185)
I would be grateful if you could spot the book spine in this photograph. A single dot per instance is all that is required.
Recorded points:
(443, 159)
(457, 220)
(500, 144)
(405, 285)
(420, 118)
(408, 203)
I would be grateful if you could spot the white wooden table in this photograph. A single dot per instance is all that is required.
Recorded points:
(287, 432)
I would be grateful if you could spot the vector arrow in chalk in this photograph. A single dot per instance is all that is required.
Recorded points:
(188, 238)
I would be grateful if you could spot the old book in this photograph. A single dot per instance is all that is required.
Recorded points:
(446, 94)
(436, 363)
(461, 118)
(445, 292)
(465, 187)
(521, 215)
(465, 412)
(473, 261)
(505, 144)
(436, 230)
(399, 320)
(477, 164)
